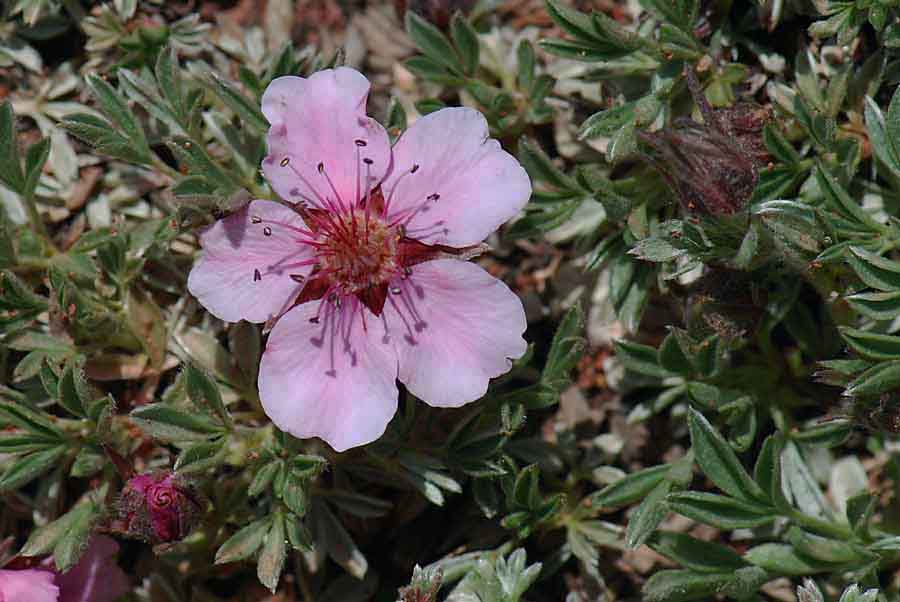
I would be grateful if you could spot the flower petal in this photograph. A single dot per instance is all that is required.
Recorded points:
(331, 379)
(30, 585)
(480, 186)
(461, 326)
(322, 119)
(248, 259)
(96, 577)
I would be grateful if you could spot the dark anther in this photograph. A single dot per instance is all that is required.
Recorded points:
(267, 231)
(298, 278)
(360, 142)
(255, 219)
(368, 161)
(285, 161)
(321, 167)
(314, 320)
(256, 276)
(434, 197)
(415, 168)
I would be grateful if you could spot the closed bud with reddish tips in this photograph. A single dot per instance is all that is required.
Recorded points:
(425, 585)
(712, 166)
(437, 12)
(158, 507)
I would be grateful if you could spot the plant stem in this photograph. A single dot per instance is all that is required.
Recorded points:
(166, 169)
(835, 530)
(37, 224)
(302, 581)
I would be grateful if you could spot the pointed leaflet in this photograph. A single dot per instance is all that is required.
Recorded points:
(11, 174)
(245, 542)
(205, 394)
(273, 554)
(719, 462)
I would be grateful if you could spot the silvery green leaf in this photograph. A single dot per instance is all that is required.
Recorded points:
(854, 594)
(847, 479)
(244, 542)
(720, 463)
(125, 8)
(799, 485)
(783, 559)
(496, 580)
(809, 592)
(18, 51)
(330, 534)
(883, 131)
(273, 554)
(67, 535)
(683, 585)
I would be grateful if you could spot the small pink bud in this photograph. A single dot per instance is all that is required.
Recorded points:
(159, 507)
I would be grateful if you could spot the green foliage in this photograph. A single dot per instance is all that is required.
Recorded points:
(67, 536)
(511, 101)
(503, 580)
(716, 378)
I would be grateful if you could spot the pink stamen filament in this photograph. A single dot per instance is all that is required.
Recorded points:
(390, 198)
(352, 253)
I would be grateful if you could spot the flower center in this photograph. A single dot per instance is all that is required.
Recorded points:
(358, 251)
(361, 248)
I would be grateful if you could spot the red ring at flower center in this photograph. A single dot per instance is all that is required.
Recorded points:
(361, 248)
(358, 251)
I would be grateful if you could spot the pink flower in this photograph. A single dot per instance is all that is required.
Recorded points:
(95, 578)
(30, 585)
(364, 268)
(158, 507)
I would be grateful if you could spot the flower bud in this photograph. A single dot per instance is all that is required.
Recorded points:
(437, 12)
(159, 507)
(712, 166)
(877, 413)
(424, 586)
(724, 302)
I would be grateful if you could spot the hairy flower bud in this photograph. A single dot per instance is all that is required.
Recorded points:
(424, 586)
(712, 166)
(878, 414)
(437, 12)
(159, 507)
(724, 302)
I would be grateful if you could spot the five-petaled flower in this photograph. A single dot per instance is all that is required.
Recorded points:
(364, 267)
